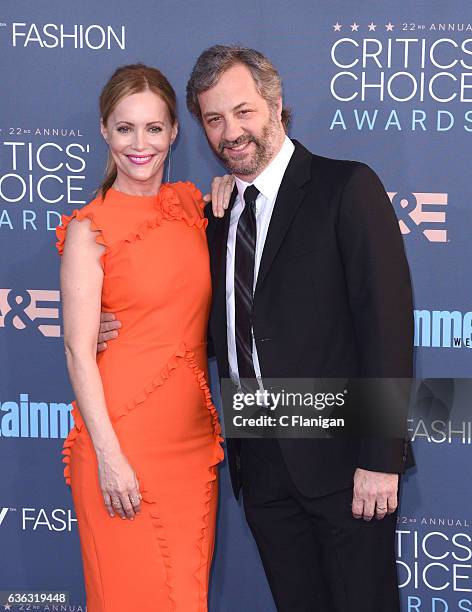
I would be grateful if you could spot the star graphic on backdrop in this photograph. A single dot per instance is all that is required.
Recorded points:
(337, 27)
(7, 607)
(372, 26)
(389, 27)
(355, 27)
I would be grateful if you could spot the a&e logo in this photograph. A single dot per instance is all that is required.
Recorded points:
(421, 213)
(31, 309)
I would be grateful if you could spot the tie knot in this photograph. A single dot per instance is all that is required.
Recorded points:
(250, 194)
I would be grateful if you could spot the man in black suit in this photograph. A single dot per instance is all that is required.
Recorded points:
(310, 280)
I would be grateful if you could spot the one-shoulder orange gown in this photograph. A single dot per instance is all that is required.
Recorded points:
(157, 282)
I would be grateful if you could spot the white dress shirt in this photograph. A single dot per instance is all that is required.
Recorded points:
(268, 183)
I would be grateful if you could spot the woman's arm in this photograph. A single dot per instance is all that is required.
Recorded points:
(81, 286)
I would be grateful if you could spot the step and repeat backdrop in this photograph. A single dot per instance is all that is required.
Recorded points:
(387, 83)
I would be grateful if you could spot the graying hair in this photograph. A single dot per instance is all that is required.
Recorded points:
(214, 61)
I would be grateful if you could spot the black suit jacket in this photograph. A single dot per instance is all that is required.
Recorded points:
(332, 299)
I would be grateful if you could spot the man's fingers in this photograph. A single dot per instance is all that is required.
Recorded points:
(104, 336)
(357, 507)
(215, 203)
(110, 335)
(228, 191)
(381, 508)
(221, 189)
(101, 346)
(106, 316)
(109, 326)
(369, 509)
(207, 197)
(392, 504)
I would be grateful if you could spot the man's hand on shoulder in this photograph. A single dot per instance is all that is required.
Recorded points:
(375, 494)
(109, 327)
(221, 189)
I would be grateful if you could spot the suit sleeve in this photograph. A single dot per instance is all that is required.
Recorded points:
(380, 299)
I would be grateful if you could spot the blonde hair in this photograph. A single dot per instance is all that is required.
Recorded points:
(125, 81)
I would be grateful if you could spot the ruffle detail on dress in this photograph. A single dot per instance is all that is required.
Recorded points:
(201, 378)
(196, 194)
(69, 441)
(171, 206)
(156, 382)
(80, 215)
(201, 573)
(154, 513)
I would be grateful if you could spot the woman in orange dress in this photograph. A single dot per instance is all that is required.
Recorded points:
(142, 457)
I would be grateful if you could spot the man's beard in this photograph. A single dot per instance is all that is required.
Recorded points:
(252, 164)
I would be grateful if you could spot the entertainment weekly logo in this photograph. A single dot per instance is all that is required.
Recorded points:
(421, 214)
(434, 563)
(396, 76)
(36, 310)
(66, 36)
(24, 418)
(38, 179)
(443, 329)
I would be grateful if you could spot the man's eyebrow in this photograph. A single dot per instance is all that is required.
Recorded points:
(240, 105)
(212, 113)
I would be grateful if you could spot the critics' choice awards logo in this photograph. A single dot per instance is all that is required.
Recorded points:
(22, 418)
(38, 178)
(401, 76)
(31, 310)
(66, 36)
(434, 564)
(422, 214)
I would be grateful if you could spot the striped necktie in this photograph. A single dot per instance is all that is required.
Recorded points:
(244, 282)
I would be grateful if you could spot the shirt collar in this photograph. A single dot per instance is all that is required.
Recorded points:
(268, 181)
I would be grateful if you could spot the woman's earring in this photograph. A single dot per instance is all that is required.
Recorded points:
(169, 164)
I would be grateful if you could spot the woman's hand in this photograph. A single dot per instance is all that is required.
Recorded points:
(221, 189)
(119, 485)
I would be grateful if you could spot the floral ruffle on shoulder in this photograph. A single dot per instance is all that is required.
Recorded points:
(171, 206)
(195, 193)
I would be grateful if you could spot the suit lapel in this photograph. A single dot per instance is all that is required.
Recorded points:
(291, 193)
